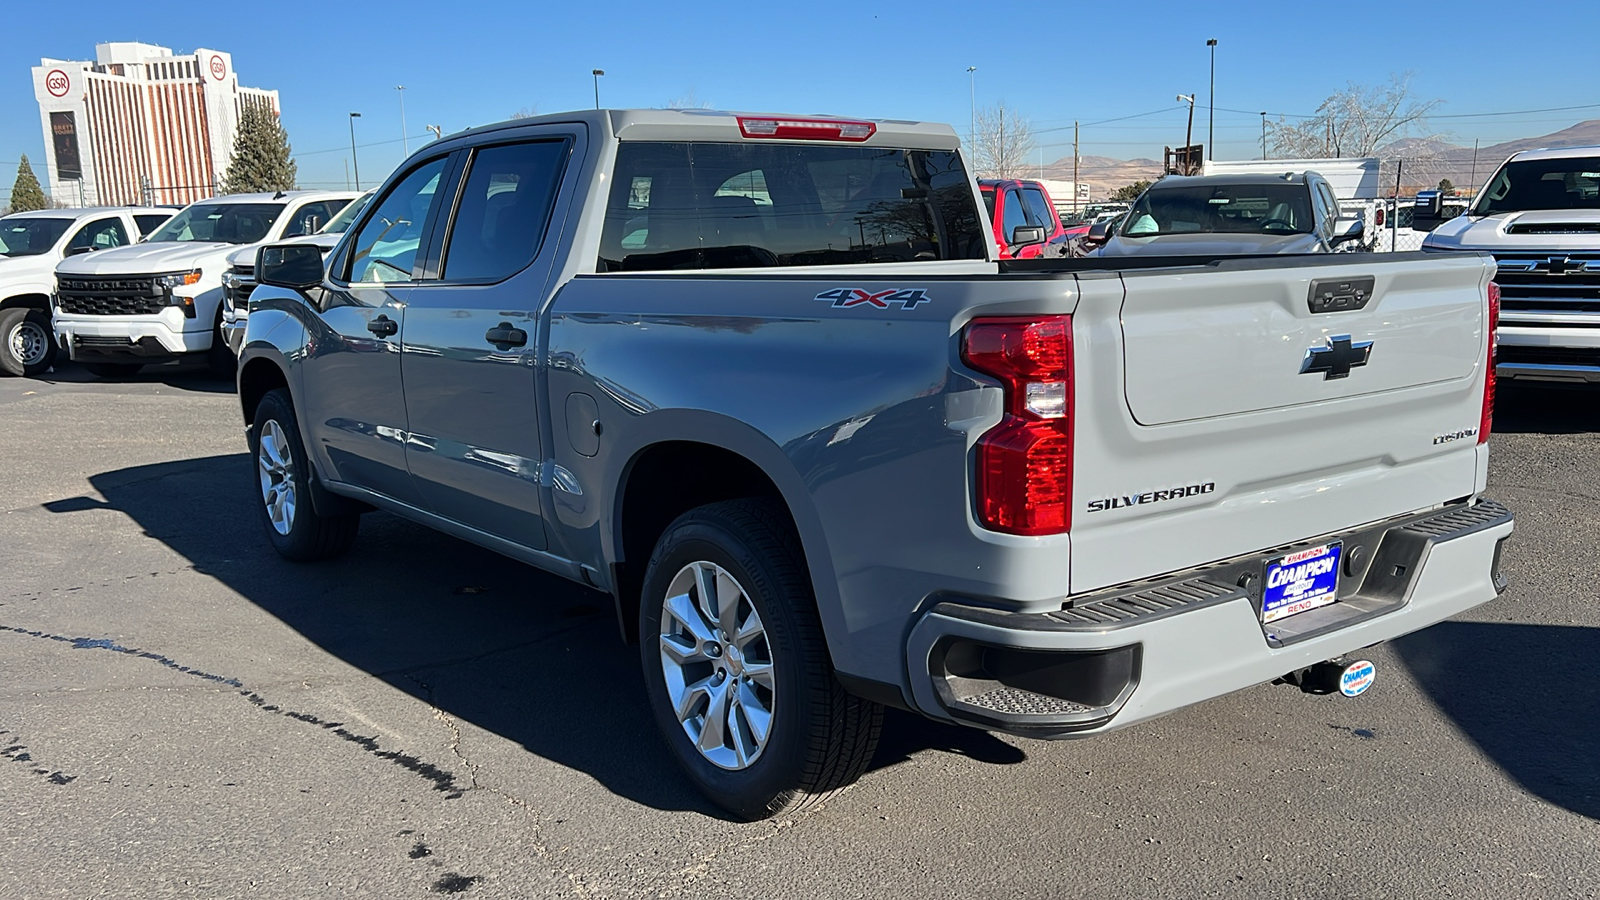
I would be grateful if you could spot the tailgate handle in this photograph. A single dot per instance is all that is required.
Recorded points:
(1340, 294)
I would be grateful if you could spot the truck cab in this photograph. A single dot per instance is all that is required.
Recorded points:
(1539, 214)
(31, 244)
(161, 300)
(1014, 204)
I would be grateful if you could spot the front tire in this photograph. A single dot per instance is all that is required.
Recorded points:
(283, 481)
(27, 346)
(737, 669)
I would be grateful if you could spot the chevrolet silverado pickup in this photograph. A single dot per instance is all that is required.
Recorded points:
(1539, 215)
(762, 380)
(161, 299)
(31, 244)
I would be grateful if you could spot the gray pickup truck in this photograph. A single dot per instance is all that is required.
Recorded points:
(761, 379)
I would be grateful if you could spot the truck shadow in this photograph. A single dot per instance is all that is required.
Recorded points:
(192, 377)
(1527, 695)
(1546, 409)
(528, 656)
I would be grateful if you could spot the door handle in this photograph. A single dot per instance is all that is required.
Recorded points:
(504, 337)
(383, 326)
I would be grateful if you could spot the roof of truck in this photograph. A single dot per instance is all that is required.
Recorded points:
(76, 212)
(723, 126)
(1559, 152)
(1176, 181)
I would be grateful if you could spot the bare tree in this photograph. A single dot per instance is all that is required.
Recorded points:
(527, 112)
(1002, 143)
(1357, 121)
(688, 100)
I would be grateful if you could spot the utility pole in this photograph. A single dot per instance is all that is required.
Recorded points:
(1004, 162)
(1263, 134)
(1188, 134)
(1211, 129)
(1473, 181)
(597, 73)
(972, 90)
(354, 161)
(1075, 207)
(405, 143)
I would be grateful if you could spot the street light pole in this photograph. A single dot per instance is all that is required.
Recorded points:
(1211, 129)
(597, 73)
(438, 131)
(972, 90)
(354, 162)
(1188, 134)
(405, 143)
(1263, 134)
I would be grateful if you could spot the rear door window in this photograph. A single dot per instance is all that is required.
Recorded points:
(150, 223)
(710, 206)
(385, 249)
(311, 216)
(504, 210)
(1015, 215)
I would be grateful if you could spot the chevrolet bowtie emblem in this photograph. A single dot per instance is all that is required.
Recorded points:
(1560, 265)
(1338, 358)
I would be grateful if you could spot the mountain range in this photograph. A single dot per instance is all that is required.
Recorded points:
(1426, 161)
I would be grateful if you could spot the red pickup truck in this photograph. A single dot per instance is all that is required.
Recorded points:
(1014, 203)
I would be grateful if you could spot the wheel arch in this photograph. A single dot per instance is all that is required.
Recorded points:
(675, 469)
(27, 299)
(257, 376)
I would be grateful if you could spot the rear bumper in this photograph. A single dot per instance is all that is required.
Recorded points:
(1118, 657)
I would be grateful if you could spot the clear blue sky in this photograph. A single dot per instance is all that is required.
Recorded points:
(471, 63)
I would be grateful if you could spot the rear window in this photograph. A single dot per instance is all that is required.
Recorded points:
(1281, 208)
(715, 206)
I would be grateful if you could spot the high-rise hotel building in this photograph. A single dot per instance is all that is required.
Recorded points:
(139, 124)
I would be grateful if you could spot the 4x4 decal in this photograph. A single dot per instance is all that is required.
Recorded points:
(844, 298)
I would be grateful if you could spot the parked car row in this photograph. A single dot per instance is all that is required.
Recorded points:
(117, 288)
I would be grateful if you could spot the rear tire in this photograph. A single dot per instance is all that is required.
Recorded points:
(113, 370)
(737, 669)
(27, 346)
(282, 475)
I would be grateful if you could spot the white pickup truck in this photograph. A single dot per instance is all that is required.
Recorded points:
(162, 299)
(1539, 215)
(31, 244)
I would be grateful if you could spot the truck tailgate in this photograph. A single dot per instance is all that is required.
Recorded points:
(1218, 414)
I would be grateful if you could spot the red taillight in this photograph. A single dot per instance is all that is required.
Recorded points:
(1024, 465)
(789, 128)
(1378, 218)
(1488, 378)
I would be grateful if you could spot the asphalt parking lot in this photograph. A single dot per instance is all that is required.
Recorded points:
(184, 714)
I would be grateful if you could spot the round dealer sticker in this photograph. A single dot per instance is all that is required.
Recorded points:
(57, 83)
(1356, 678)
(219, 69)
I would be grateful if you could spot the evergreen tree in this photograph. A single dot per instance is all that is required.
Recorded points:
(25, 192)
(260, 160)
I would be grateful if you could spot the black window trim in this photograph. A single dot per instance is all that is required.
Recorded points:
(444, 227)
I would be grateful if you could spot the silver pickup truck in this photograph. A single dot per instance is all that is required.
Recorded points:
(761, 379)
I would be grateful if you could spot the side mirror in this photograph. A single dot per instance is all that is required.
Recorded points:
(1347, 228)
(1099, 233)
(79, 251)
(1027, 235)
(297, 267)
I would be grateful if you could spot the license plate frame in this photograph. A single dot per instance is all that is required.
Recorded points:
(1301, 581)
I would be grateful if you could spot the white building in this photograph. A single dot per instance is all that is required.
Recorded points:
(1066, 195)
(139, 124)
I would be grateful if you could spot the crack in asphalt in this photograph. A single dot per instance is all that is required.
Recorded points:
(18, 752)
(443, 780)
